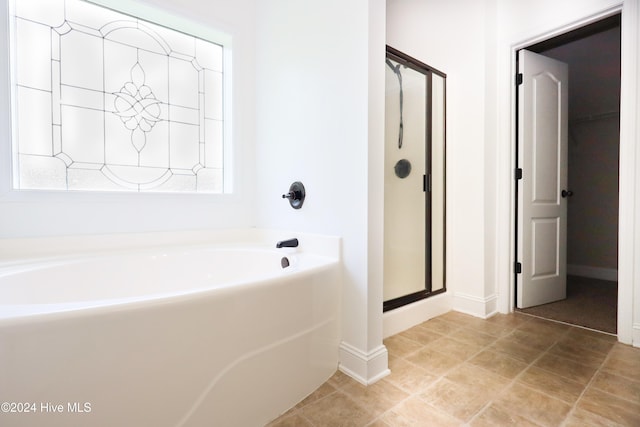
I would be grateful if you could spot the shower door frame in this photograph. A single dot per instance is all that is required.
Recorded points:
(428, 71)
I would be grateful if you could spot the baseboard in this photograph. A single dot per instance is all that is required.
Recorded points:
(475, 306)
(636, 335)
(407, 316)
(610, 274)
(366, 368)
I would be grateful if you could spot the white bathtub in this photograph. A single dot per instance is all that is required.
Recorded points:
(198, 335)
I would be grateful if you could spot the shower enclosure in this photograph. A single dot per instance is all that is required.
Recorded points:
(414, 191)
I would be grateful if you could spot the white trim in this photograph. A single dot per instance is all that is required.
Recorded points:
(5, 100)
(483, 307)
(629, 163)
(593, 272)
(366, 368)
(405, 317)
(636, 335)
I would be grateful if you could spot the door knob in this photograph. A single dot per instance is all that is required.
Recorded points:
(566, 193)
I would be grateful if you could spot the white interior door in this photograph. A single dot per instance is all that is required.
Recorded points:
(542, 209)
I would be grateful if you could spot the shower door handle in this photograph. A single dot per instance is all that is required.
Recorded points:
(426, 183)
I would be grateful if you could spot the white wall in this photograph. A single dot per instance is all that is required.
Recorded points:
(64, 214)
(314, 117)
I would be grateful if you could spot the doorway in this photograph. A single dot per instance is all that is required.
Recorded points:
(593, 54)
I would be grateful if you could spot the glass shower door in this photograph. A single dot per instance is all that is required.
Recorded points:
(414, 181)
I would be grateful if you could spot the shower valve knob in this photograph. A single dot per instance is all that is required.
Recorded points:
(295, 195)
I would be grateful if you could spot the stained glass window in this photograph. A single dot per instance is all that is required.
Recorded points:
(104, 101)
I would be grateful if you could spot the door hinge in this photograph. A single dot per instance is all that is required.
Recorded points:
(518, 267)
(518, 173)
(519, 79)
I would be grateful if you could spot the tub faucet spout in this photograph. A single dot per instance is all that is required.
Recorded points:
(291, 243)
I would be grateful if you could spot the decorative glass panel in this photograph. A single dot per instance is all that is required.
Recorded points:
(106, 101)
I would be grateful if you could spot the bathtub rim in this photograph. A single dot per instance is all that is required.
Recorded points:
(11, 315)
(56, 251)
(44, 248)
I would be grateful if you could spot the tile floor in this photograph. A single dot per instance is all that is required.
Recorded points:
(457, 370)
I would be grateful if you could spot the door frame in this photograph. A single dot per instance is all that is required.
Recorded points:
(629, 162)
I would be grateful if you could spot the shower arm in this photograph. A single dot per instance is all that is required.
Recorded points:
(396, 70)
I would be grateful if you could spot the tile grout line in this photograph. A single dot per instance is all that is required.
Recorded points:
(615, 395)
(441, 376)
(587, 386)
(598, 371)
(514, 379)
(517, 377)
(298, 410)
(489, 402)
(416, 394)
(486, 347)
(566, 335)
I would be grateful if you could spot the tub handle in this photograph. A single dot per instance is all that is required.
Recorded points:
(295, 195)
